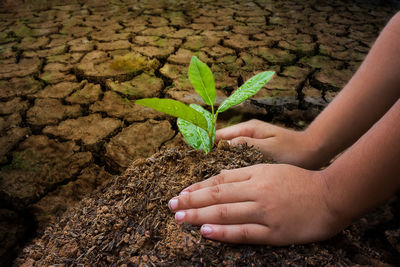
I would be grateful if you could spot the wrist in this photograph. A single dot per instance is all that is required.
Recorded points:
(314, 152)
(337, 200)
(338, 215)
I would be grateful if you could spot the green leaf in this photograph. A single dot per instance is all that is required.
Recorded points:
(194, 135)
(176, 109)
(248, 89)
(202, 80)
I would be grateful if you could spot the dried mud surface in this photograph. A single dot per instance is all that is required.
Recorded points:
(71, 71)
(127, 223)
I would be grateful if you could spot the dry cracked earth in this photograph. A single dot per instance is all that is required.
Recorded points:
(69, 75)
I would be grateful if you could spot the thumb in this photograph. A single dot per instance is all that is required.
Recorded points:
(247, 128)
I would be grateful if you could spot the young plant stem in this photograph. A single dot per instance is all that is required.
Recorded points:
(213, 125)
(210, 141)
(210, 132)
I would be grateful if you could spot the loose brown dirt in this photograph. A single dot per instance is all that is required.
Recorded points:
(127, 223)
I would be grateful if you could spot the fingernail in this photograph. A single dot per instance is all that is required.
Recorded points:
(179, 216)
(206, 230)
(173, 204)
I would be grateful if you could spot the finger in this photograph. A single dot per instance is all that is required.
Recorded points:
(233, 213)
(237, 233)
(242, 129)
(224, 177)
(253, 129)
(213, 195)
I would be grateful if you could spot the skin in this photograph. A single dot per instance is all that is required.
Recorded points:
(295, 201)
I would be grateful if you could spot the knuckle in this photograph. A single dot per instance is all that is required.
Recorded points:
(222, 212)
(244, 233)
(215, 193)
(240, 140)
(261, 213)
(224, 171)
(185, 201)
(194, 187)
(254, 122)
(222, 233)
(219, 179)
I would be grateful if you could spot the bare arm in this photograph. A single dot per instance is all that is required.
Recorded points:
(368, 95)
(369, 171)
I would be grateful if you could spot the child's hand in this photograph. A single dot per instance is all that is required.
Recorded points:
(282, 145)
(273, 204)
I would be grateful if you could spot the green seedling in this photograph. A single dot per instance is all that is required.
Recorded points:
(195, 123)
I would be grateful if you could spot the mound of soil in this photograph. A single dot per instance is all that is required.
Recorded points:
(127, 223)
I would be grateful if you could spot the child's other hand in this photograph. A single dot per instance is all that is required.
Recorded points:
(273, 204)
(280, 144)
